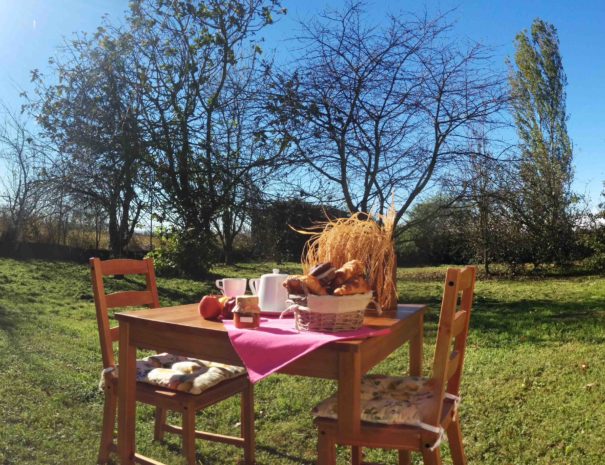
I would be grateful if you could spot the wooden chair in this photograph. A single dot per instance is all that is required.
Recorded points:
(438, 397)
(163, 399)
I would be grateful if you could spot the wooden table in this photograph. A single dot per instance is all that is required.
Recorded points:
(180, 330)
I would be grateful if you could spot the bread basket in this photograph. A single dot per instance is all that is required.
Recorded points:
(329, 313)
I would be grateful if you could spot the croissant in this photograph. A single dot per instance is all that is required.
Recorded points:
(357, 285)
(348, 271)
(294, 285)
(313, 285)
(304, 284)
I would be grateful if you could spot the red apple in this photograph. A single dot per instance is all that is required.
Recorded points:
(227, 312)
(210, 307)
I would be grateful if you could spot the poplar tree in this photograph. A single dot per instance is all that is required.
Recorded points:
(545, 201)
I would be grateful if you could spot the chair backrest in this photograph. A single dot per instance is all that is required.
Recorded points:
(454, 319)
(103, 302)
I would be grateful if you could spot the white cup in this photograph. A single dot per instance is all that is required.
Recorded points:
(232, 287)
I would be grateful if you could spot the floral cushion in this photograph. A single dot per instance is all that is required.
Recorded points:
(387, 400)
(181, 373)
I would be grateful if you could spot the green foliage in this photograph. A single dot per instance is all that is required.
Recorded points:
(165, 255)
(436, 233)
(272, 226)
(593, 239)
(92, 115)
(596, 261)
(182, 253)
(203, 90)
(532, 388)
(440, 230)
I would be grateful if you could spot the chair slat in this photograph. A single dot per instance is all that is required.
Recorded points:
(114, 333)
(129, 299)
(123, 266)
(466, 278)
(459, 323)
(454, 364)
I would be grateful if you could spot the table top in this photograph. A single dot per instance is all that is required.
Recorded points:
(181, 330)
(189, 317)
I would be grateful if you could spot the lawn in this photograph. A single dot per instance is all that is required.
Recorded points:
(533, 389)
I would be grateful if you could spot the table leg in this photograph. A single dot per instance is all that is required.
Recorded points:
(349, 394)
(126, 397)
(416, 347)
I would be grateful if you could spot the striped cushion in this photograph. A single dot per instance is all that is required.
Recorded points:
(180, 373)
(387, 400)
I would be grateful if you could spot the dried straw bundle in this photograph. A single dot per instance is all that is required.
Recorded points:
(359, 237)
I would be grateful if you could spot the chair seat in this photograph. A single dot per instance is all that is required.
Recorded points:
(387, 400)
(184, 374)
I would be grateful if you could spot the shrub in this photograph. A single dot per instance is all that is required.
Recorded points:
(595, 242)
(183, 253)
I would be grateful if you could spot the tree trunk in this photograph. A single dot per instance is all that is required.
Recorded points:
(115, 239)
(65, 229)
(228, 254)
(97, 230)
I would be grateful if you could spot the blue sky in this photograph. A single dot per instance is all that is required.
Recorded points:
(31, 30)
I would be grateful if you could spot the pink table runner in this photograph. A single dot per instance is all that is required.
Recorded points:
(277, 343)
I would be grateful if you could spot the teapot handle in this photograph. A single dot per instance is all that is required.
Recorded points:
(253, 283)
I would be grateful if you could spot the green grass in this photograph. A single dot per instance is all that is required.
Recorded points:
(532, 391)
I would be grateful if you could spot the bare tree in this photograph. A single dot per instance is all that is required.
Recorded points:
(488, 195)
(23, 160)
(383, 114)
(247, 157)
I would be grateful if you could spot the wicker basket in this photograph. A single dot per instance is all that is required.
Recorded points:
(330, 313)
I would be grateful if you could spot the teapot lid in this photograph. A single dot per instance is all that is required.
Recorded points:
(275, 272)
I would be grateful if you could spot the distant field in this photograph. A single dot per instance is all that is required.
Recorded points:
(533, 389)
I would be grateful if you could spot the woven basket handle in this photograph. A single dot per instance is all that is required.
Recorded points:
(377, 305)
(292, 308)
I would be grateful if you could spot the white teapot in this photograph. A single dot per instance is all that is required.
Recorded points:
(272, 295)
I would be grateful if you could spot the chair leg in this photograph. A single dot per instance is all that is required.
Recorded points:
(431, 458)
(109, 422)
(405, 457)
(356, 455)
(247, 420)
(454, 436)
(189, 435)
(326, 449)
(160, 423)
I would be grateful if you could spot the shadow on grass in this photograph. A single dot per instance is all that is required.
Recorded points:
(209, 460)
(540, 321)
(283, 455)
(180, 297)
(529, 321)
(499, 272)
(165, 293)
(8, 319)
